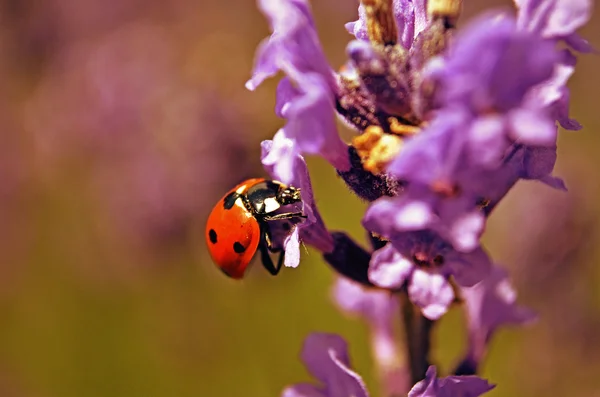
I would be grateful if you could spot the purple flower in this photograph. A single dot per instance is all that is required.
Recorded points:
(554, 19)
(410, 16)
(306, 96)
(379, 308)
(457, 219)
(449, 125)
(459, 156)
(557, 20)
(450, 195)
(451, 386)
(484, 106)
(422, 263)
(486, 135)
(479, 75)
(554, 95)
(382, 83)
(283, 163)
(376, 306)
(326, 358)
(490, 304)
(294, 44)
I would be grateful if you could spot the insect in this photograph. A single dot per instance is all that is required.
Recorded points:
(239, 225)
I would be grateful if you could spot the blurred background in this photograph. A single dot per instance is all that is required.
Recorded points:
(121, 124)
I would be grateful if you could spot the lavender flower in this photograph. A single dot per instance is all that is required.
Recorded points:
(446, 126)
(451, 386)
(306, 97)
(455, 206)
(557, 21)
(423, 264)
(410, 17)
(486, 135)
(554, 94)
(379, 308)
(326, 357)
(492, 86)
(490, 304)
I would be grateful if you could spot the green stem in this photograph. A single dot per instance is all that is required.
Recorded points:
(418, 339)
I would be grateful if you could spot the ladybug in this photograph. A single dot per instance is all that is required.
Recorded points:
(238, 225)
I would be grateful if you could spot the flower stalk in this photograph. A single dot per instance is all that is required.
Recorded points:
(418, 331)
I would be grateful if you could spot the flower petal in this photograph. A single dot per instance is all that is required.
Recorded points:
(326, 358)
(487, 141)
(469, 268)
(538, 162)
(306, 96)
(451, 386)
(282, 160)
(292, 249)
(480, 70)
(466, 230)
(553, 19)
(294, 43)
(388, 268)
(431, 292)
(279, 158)
(310, 116)
(411, 19)
(492, 303)
(532, 128)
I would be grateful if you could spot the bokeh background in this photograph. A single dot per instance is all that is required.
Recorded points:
(123, 121)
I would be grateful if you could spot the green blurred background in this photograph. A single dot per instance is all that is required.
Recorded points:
(123, 121)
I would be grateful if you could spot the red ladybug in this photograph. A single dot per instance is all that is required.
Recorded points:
(239, 224)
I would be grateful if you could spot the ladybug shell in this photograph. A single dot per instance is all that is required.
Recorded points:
(232, 232)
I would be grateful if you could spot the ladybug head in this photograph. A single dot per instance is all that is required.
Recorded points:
(289, 195)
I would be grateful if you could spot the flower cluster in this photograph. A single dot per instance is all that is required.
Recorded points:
(447, 121)
(326, 357)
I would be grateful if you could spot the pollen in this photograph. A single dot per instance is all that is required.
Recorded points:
(400, 129)
(376, 149)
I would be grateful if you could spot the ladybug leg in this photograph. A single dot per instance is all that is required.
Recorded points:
(266, 247)
(288, 215)
(268, 262)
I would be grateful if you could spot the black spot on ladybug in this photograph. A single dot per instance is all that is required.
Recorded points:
(230, 199)
(238, 248)
(212, 236)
